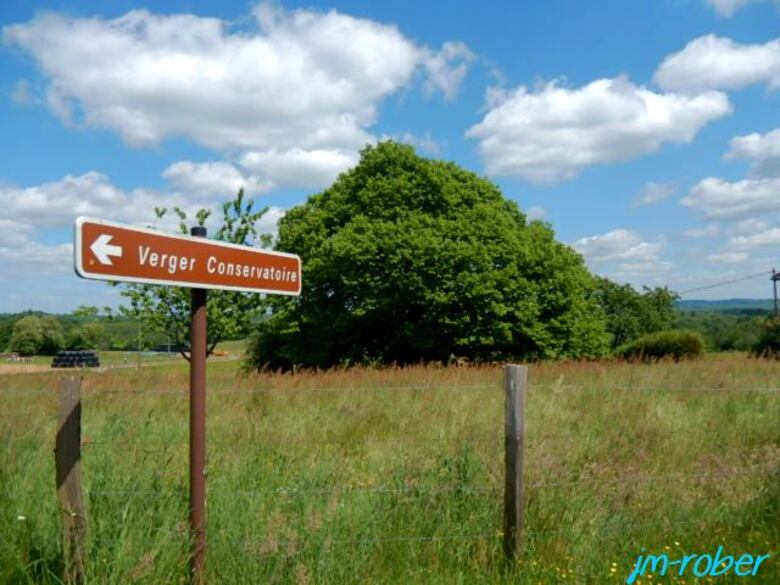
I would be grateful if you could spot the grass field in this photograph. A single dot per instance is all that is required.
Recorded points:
(396, 475)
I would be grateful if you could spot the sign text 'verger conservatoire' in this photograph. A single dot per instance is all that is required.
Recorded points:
(173, 264)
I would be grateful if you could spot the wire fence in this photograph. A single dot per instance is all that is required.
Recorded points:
(324, 542)
(767, 471)
(473, 438)
(183, 392)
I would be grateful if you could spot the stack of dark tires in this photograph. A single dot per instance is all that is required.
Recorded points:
(76, 359)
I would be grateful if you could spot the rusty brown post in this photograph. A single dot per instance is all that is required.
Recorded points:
(198, 429)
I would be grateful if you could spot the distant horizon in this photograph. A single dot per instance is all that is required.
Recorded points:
(769, 300)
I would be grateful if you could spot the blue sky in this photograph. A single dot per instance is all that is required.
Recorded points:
(646, 133)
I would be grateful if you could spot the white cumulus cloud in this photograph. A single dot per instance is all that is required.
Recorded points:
(716, 63)
(717, 198)
(213, 178)
(618, 245)
(552, 133)
(762, 150)
(624, 256)
(294, 79)
(31, 258)
(770, 237)
(297, 167)
(59, 202)
(13, 233)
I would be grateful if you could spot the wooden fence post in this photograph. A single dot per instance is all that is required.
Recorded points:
(67, 455)
(515, 378)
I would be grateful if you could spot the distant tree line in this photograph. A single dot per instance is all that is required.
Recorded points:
(36, 333)
(725, 330)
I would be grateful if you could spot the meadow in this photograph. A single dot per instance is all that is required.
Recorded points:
(395, 476)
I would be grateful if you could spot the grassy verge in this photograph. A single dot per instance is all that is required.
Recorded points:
(395, 476)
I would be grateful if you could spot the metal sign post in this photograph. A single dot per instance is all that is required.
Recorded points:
(198, 333)
(109, 251)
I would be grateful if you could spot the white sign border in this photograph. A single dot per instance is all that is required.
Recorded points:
(81, 272)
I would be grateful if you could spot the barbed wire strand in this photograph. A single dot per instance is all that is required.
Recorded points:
(184, 392)
(422, 490)
(498, 534)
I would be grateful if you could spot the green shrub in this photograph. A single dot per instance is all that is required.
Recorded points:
(677, 345)
(37, 335)
(768, 344)
(85, 336)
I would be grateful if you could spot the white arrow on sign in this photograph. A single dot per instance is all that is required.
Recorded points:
(103, 250)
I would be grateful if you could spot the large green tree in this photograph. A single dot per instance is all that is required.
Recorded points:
(408, 259)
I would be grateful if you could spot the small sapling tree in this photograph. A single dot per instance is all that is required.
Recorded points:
(166, 310)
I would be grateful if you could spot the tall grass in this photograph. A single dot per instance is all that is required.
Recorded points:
(395, 475)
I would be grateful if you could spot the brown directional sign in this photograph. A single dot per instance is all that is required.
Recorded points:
(109, 251)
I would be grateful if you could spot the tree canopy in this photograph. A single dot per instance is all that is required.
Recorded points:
(631, 314)
(407, 259)
(37, 335)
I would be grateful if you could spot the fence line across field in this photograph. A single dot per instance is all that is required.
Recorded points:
(495, 535)
(445, 387)
(483, 489)
(410, 538)
(664, 524)
(91, 392)
(516, 437)
(466, 439)
(183, 391)
(440, 489)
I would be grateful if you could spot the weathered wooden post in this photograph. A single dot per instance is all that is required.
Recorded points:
(67, 455)
(515, 378)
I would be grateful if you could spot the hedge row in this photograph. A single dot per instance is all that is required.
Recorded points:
(676, 345)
